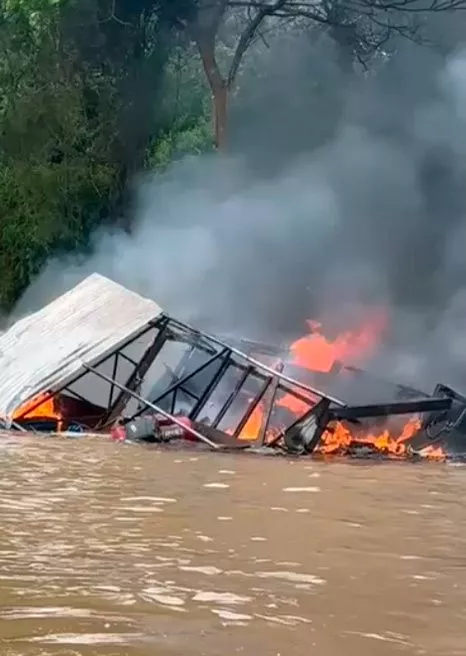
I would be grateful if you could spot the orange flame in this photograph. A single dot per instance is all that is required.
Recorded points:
(316, 352)
(253, 425)
(339, 438)
(40, 406)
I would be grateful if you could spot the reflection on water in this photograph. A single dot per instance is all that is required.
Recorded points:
(124, 550)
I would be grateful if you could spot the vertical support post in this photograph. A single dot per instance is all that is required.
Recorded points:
(304, 434)
(225, 357)
(184, 360)
(178, 385)
(139, 372)
(173, 403)
(252, 407)
(270, 404)
(112, 388)
(152, 324)
(233, 395)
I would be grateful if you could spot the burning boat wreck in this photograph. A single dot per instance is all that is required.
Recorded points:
(103, 360)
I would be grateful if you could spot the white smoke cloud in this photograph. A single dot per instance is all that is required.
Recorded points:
(372, 217)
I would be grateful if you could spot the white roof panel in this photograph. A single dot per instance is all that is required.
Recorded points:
(44, 350)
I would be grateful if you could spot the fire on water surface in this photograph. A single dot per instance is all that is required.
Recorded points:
(318, 353)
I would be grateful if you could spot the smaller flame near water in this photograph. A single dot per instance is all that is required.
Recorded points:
(318, 353)
(41, 406)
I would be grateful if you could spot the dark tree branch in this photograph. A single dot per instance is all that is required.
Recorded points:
(412, 6)
(204, 30)
(248, 35)
(361, 29)
(381, 14)
(369, 23)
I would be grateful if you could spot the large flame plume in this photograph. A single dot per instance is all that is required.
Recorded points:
(318, 353)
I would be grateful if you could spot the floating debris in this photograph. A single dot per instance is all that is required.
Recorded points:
(103, 360)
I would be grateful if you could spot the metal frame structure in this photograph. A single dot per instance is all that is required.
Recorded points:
(301, 435)
(113, 405)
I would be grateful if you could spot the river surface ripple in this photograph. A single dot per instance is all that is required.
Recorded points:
(110, 549)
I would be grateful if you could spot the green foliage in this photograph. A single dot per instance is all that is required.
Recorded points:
(44, 210)
(56, 181)
(184, 116)
(87, 98)
(91, 91)
(182, 139)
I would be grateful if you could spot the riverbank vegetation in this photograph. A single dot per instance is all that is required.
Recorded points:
(92, 92)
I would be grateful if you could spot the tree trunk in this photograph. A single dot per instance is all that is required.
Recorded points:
(220, 115)
(219, 89)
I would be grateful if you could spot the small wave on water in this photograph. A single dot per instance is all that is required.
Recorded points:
(131, 552)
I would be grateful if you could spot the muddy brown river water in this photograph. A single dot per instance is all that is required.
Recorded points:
(110, 549)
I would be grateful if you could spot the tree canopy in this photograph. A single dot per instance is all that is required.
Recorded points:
(94, 91)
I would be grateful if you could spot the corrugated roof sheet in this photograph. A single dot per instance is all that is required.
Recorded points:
(45, 349)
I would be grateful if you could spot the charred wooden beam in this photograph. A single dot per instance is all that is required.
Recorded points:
(269, 405)
(304, 434)
(139, 372)
(253, 405)
(224, 357)
(413, 406)
(233, 395)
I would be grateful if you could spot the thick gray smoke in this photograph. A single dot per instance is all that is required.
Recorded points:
(373, 216)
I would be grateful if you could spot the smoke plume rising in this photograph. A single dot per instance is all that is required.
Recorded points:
(373, 216)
